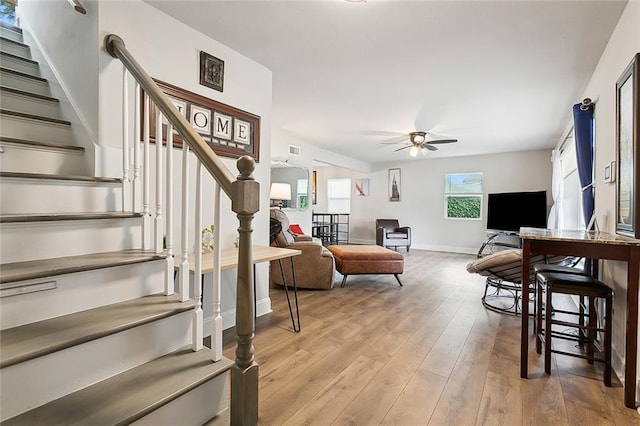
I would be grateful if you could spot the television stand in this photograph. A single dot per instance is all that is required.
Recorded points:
(493, 241)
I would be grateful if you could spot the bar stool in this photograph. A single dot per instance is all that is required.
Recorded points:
(553, 267)
(582, 286)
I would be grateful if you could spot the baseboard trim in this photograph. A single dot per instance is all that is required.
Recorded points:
(448, 249)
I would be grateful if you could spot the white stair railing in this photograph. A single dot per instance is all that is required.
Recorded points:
(244, 194)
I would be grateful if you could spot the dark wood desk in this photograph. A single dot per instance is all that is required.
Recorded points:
(591, 245)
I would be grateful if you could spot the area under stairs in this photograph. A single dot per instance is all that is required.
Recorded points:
(88, 336)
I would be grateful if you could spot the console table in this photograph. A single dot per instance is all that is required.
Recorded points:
(259, 254)
(591, 245)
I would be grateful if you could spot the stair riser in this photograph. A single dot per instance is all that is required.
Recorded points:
(81, 291)
(46, 160)
(10, 34)
(15, 49)
(36, 130)
(196, 407)
(25, 195)
(42, 240)
(29, 104)
(24, 83)
(49, 377)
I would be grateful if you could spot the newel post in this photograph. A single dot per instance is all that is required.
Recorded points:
(245, 202)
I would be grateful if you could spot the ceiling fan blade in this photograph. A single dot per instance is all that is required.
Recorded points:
(395, 139)
(437, 141)
(404, 147)
(430, 148)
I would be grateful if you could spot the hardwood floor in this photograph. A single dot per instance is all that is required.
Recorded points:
(426, 353)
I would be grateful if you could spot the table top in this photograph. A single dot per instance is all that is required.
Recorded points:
(229, 257)
(595, 237)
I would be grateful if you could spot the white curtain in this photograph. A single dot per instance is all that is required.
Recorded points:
(555, 217)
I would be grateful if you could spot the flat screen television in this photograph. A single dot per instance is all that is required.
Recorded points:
(509, 211)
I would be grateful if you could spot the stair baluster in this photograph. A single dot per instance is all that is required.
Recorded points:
(184, 231)
(216, 324)
(126, 145)
(146, 215)
(136, 207)
(170, 269)
(197, 273)
(158, 225)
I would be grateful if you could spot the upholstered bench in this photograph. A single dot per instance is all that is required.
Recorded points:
(362, 259)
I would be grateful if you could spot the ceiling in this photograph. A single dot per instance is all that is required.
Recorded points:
(498, 76)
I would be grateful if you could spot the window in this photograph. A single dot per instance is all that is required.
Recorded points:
(463, 196)
(571, 216)
(302, 193)
(339, 195)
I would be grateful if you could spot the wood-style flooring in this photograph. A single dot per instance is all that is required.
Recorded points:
(426, 353)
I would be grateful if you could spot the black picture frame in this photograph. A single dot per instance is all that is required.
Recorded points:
(628, 150)
(211, 71)
(228, 131)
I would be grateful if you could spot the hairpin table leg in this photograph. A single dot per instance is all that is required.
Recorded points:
(296, 328)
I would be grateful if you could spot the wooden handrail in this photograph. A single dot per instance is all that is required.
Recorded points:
(115, 46)
(244, 193)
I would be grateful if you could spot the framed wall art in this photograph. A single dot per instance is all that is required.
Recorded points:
(362, 187)
(314, 183)
(394, 184)
(229, 131)
(628, 150)
(211, 71)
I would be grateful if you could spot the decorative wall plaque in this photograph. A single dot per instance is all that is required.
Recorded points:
(211, 71)
(229, 131)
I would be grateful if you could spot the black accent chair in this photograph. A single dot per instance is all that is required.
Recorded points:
(389, 233)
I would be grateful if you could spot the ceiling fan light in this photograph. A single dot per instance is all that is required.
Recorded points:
(413, 151)
(418, 137)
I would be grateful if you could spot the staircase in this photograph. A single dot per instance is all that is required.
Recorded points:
(89, 334)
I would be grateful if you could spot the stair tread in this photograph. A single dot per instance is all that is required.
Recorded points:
(35, 269)
(29, 94)
(21, 58)
(23, 74)
(47, 217)
(11, 27)
(131, 395)
(41, 144)
(35, 117)
(29, 341)
(8, 40)
(27, 175)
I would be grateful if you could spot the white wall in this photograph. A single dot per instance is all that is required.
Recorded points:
(422, 196)
(66, 49)
(623, 45)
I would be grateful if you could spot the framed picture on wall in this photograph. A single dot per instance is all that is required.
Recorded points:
(313, 188)
(394, 184)
(628, 150)
(362, 187)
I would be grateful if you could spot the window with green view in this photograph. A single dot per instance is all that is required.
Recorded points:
(463, 196)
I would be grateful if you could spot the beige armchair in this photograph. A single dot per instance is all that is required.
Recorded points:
(313, 268)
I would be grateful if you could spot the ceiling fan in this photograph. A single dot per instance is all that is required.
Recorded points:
(418, 143)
